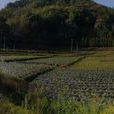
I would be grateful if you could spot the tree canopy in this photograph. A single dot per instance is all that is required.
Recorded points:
(54, 24)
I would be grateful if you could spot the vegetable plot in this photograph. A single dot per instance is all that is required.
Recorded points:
(80, 84)
(20, 58)
(21, 70)
(57, 61)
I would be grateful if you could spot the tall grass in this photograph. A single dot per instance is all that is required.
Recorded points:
(40, 104)
(36, 102)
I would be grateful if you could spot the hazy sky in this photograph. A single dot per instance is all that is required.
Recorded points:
(3, 3)
(109, 3)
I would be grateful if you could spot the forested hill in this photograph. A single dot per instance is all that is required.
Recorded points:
(56, 24)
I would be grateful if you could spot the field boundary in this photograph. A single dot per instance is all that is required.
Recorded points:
(25, 59)
(32, 77)
(72, 63)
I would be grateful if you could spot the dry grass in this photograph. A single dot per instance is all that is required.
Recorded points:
(12, 83)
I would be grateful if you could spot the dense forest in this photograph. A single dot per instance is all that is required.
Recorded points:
(56, 24)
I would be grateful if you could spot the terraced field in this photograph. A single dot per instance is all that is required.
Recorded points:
(84, 75)
(27, 68)
(79, 83)
(13, 58)
(21, 70)
(57, 60)
(94, 74)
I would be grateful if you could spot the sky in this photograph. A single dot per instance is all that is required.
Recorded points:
(109, 3)
(3, 3)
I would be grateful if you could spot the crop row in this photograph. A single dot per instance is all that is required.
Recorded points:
(21, 70)
(13, 58)
(77, 82)
(57, 60)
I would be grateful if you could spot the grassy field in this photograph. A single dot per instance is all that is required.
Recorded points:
(99, 60)
(35, 83)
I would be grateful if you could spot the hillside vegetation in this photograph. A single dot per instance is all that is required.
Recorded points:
(56, 24)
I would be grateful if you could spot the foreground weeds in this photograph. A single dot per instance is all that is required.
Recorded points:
(37, 103)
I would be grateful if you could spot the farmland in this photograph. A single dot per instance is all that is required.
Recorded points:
(99, 60)
(21, 70)
(76, 71)
(78, 76)
(79, 83)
